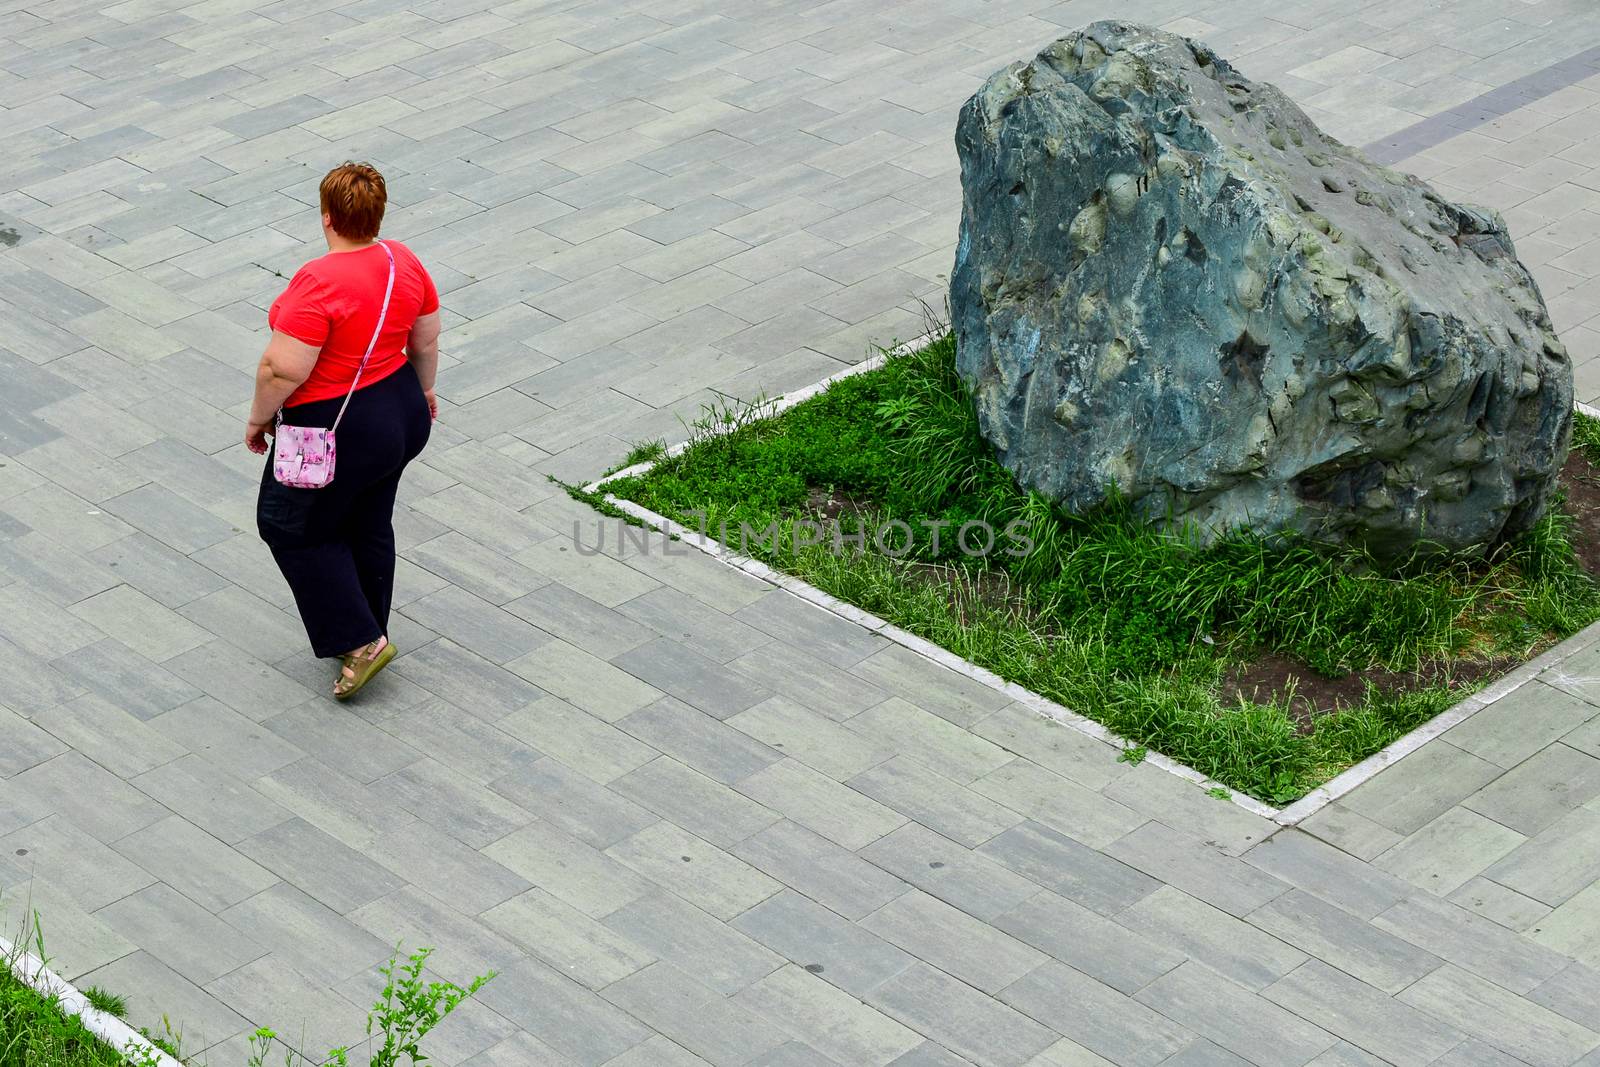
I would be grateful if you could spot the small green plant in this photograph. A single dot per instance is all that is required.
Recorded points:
(643, 452)
(407, 1009)
(1220, 792)
(1133, 754)
(108, 1002)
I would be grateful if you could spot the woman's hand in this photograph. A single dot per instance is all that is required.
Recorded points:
(255, 436)
(433, 403)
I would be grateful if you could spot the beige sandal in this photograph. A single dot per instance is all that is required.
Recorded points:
(359, 667)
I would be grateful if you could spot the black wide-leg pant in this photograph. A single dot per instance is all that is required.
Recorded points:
(335, 545)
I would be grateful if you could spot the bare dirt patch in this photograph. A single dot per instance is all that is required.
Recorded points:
(1272, 677)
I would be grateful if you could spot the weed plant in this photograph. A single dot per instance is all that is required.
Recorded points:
(1131, 626)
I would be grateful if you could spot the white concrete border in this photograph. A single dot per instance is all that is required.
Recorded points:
(31, 970)
(1302, 809)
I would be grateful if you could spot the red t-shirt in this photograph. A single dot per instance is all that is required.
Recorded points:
(333, 303)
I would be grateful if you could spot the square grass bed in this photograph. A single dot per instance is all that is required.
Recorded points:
(1267, 666)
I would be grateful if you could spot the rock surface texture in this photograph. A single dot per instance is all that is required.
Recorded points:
(1170, 282)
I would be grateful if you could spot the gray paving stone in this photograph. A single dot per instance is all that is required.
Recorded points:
(238, 617)
(972, 881)
(705, 808)
(1538, 791)
(1057, 802)
(23, 744)
(225, 738)
(585, 681)
(1535, 1035)
(1196, 868)
(568, 940)
(905, 728)
(601, 631)
(1421, 787)
(1574, 993)
(1449, 851)
(1204, 1054)
(710, 632)
(949, 695)
(205, 870)
(810, 935)
(78, 941)
(62, 575)
(573, 804)
(1518, 725)
(180, 933)
(706, 876)
(1234, 1018)
(327, 871)
(975, 952)
(1346, 1055)
(42, 629)
(930, 1054)
(466, 679)
(269, 988)
(1325, 872)
(54, 851)
(1068, 867)
(694, 941)
(715, 1028)
(1470, 942)
(475, 748)
(1334, 936)
(254, 689)
(1049, 744)
(578, 739)
(94, 799)
(444, 867)
(1362, 1015)
(475, 623)
(105, 733)
(155, 992)
(840, 1026)
(681, 672)
(1556, 863)
(329, 801)
(699, 741)
(1088, 942)
(989, 1033)
(809, 736)
(157, 570)
(1497, 903)
(818, 803)
(812, 630)
(1096, 1016)
(955, 811)
(319, 944)
(450, 801)
(170, 519)
(657, 1052)
(1185, 807)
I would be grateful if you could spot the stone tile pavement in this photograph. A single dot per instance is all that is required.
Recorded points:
(689, 818)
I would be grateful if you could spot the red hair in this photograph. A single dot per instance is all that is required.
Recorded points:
(353, 196)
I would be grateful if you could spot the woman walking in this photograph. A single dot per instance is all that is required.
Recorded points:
(355, 346)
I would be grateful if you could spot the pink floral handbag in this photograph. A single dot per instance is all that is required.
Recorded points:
(303, 456)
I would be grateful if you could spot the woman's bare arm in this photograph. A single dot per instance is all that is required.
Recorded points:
(284, 365)
(422, 349)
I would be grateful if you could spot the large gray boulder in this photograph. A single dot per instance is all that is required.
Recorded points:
(1172, 286)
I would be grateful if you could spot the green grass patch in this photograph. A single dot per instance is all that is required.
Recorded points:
(35, 1033)
(1133, 627)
